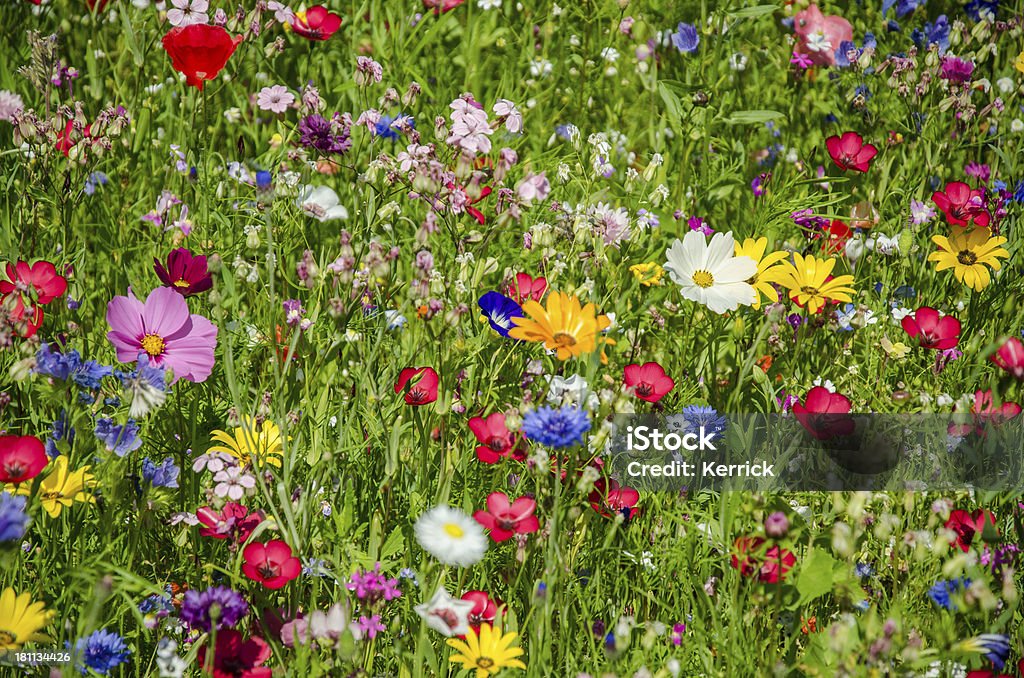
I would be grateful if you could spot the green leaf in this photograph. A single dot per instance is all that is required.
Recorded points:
(755, 11)
(753, 117)
(672, 105)
(815, 578)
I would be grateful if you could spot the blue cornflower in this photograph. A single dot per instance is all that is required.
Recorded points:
(842, 55)
(982, 9)
(101, 651)
(70, 365)
(942, 590)
(934, 33)
(686, 38)
(385, 126)
(500, 310)
(864, 570)
(563, 427)
(93, 180)
(699, 416)
(164, 475)
(263, 180)
(903, 7)
(13, 519)
(116, 438)
(1018, 191)
(996, 647)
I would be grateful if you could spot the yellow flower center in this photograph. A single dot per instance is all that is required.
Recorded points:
(454, 531)
(563, 340)
(7, 638)
(810, 291)
(181, 283)
(967, 258)
(703, 278)
(153, 344)
(53, 496)
(484, 662)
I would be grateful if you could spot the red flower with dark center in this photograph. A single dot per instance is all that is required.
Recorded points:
(930, 330)
(962, 205)
(648, 381)
(524, 287)
(233, 521)
(185, 273)
(609, 498)
(419, 384)
(967, 525)
(824, 414)
(496, 441)
(849, 152)
(836, 236)
(317, 23)
(484, 611)
(1010, 357)
(199, 51)
(271, 564)
(26, 290)
(441, 6)
(505, 519)
(235, 657)
(21, 458)
(770, 566)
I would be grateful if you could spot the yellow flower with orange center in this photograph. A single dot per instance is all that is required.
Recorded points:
(970, 254)
(564, 326)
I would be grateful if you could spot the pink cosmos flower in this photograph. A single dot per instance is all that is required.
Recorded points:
(162, 328)
(819, 36)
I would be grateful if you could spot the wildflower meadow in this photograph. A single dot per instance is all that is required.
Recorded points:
(629, 338)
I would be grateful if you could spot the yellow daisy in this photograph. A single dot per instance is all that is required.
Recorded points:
(648, 273)
(60, 488)
(21, 620)
(564, 326)
(808, 282)
(767, 271)
(488, 652)
(248, 445)
(968, 253)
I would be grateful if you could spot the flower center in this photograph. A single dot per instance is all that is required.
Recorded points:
(454, 531)
(153, 344)
(268, 570)
(810, 291)
(14, 470)
(644, 389)
(181, 283)
(497, 443)
(703, 279)
(506, 524)
(564, 340)
(484, 662)
(7, 638)
(967, 258)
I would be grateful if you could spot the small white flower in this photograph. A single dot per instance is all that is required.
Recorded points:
(488, 4)
(188, 12)
(446, 615)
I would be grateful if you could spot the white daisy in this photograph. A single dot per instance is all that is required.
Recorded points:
(446, 615)
(709, 273)
(451, 536)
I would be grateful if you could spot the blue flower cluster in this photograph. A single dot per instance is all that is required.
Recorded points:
(13, 519)
(64, 366)
(101, 651)
(163, 475)
(117, 438)
(563, 427)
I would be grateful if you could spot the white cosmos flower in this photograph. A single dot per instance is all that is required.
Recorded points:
(451, 536)
(446, 615)
(321, 202)
(710, 273)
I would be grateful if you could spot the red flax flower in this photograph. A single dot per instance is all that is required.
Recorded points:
(966, 525)
(770, 566)
(849, 152)
(983, 411)
(199, 51)
(932, 331)
(496, 441)
(233, 521)
(524, 288)
(824, 414)
(271, 564)
(505, 519)
(836, 236)
(485, 609)
(316, 23)
(608, 498)
(184, 273)
(26, 290)
(962, 205)
(1010, 357)
(419, 384)
(234, 657)
(21, 458)
(648, 381)
(441, 6)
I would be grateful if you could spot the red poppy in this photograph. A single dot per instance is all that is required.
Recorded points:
(485, 609)
(496, 441)
(505, 519)
(27, 290)
(962, 205)
(199, 51)
(21, 458)
(233, 521)
(235, 657)
(967, 525)
(608, 498)
(824, 414)
(185, 273)
(648, 381)
(316, 23)
(441, 6)
(849, 152)
(271, 564)
(770, 566)
(419, 384)
(1010, 357)
(932, 331)
(983, 411)
(836, 235)
(524, 287)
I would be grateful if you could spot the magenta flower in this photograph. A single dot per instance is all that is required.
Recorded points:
(162, 328)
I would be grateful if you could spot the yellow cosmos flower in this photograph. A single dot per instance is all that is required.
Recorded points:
(808, 283)
(487, 651)
(767, 271)
(968, 253)
(647, 274)
(60, 488)
(564, 326)
(21, 620)
(250, 446)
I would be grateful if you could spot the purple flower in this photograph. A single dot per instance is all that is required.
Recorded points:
(370, 626)
(699, 225)
(979, 171)
(370, 586)
(13, 519)
(163, 475)
(218, 606)
(326, 136)
(686, 38)
(955, 69)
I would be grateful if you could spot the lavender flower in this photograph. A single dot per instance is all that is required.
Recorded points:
(218, 606)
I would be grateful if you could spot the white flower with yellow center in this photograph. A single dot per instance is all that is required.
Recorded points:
(710, 273)
(451, 536)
